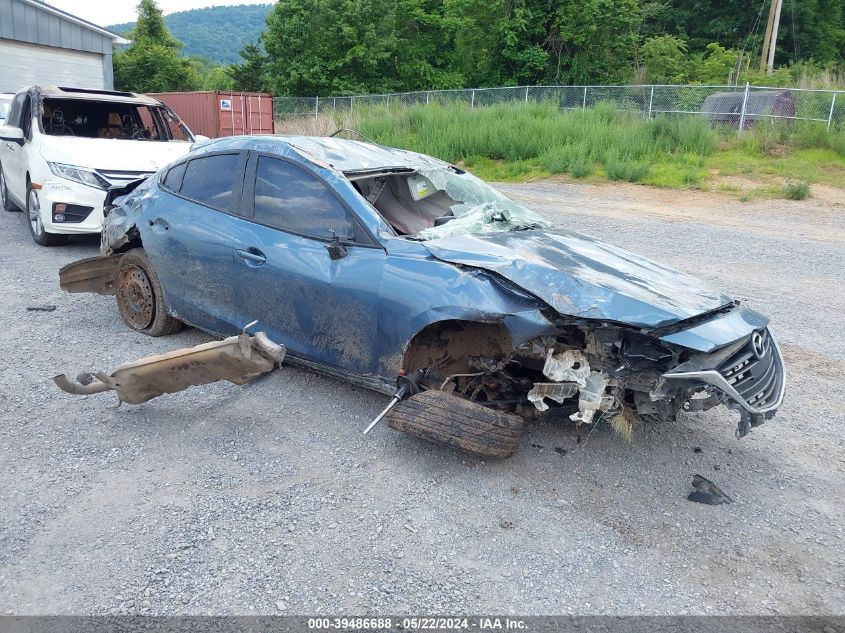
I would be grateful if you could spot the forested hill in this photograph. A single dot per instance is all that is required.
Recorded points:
(216, 33)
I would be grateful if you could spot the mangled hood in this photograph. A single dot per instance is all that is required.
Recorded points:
(113, 154)
(580, 276)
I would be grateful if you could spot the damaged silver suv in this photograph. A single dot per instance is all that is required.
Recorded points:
(386, 267)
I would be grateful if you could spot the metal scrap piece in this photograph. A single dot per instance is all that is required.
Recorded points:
(707, 492)
(94, 274)
(557, 391)
(237, 359)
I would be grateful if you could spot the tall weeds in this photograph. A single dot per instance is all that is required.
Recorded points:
(667, 150)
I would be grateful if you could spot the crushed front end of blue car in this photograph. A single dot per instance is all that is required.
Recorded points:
(442, 277)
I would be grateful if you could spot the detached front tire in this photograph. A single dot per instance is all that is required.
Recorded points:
(140, 298)
(36, 226)
(447, 419)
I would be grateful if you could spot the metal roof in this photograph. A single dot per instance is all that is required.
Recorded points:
(349, 156)
(64, 92)
(39, 23)
(338, 153)
(729, 104)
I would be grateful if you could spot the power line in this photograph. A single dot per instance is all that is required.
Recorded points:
(748, 37)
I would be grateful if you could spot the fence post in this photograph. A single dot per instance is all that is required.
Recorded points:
(526, 94)
(427, 95)
(472, 99)
(744, 104)
(584, 102)
(830, 114)
(316, 106)
(650, 102)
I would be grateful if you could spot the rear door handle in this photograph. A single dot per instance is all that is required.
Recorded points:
(251, 255)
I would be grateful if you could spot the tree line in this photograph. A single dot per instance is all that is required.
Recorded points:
(336, 47)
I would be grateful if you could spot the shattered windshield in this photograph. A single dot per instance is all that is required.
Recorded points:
(436, 202)
(477, 208)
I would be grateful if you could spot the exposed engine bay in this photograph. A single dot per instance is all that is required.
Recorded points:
(604, 374)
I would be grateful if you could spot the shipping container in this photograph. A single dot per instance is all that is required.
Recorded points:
(221, 112)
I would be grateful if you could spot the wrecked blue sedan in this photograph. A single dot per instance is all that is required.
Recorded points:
(378, 265)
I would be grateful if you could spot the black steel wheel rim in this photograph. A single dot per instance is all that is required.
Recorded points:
(135, 297)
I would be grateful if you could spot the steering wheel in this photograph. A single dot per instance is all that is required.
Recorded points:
(139, 134)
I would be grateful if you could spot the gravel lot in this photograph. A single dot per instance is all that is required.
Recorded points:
(267, 499)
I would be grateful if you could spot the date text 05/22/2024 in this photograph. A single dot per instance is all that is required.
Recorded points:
(417, 624)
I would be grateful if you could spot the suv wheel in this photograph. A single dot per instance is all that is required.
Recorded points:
(5, 200)
(140, 298)
(36, 226)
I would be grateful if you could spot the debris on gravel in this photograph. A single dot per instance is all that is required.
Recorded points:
(265, 498)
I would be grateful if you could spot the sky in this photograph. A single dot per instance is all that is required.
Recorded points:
(106, 12)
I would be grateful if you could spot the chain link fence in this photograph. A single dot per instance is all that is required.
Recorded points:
(736, 106)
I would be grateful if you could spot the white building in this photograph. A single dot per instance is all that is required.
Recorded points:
(41, 45)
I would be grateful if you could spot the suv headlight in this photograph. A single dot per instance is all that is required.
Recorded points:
(80, 174)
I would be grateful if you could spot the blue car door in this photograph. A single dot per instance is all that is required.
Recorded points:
(189, 234)
(306, 268)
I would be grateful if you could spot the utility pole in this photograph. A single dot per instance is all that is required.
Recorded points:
(767, 56)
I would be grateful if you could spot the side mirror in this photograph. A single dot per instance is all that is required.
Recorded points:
(336, 249)
(12, 134)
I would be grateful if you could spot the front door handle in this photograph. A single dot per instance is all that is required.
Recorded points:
(10, 147)
(251, 255)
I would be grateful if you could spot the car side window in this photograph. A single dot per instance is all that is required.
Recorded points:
(290, 199)
(173, 177)
(26, 118)
(14, 118)
(212, 180)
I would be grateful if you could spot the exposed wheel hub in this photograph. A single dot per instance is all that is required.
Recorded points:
(135, 297)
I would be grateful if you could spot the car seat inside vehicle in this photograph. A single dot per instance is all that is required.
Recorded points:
(409, 203)
(95, 119)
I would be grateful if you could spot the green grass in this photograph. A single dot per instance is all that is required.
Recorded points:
(797, 190)
(523, 142)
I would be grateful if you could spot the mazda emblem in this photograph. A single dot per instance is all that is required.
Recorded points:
(757, 344)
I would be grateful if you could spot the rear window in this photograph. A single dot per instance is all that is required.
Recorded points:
(211, 180)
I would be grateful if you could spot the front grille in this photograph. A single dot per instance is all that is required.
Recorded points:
(119, 177)
(755, 375)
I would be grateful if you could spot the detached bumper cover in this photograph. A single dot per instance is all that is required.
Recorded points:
(747, 376)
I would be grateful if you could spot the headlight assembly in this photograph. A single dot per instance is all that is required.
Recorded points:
(80, 174)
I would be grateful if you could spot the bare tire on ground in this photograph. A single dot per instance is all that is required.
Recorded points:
(447, 419)
(5, 200)
(140, 298)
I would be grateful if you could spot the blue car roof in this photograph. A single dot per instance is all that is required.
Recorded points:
(342, 154)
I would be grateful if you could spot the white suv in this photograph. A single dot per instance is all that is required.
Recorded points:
(61, 149)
